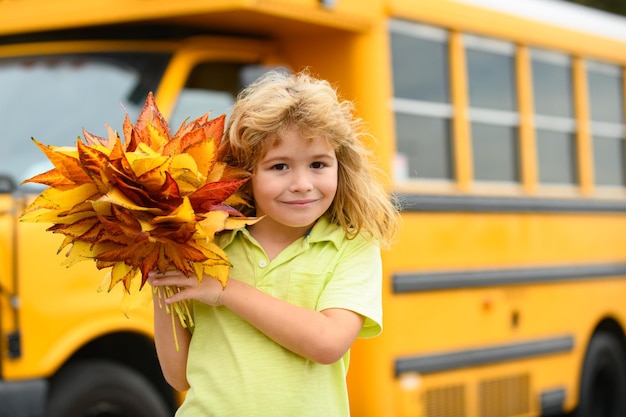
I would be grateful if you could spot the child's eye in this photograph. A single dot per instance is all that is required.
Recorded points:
(279, 167)
(318, 165)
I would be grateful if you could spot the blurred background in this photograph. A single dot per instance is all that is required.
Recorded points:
(499, 125)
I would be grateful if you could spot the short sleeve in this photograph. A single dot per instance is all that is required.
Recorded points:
(356, 284)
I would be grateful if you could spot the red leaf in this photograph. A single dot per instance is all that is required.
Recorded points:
(179, 144)
(182, 233)
(169, 191)
(213, 193)
(130, 136)
(91, 159)
(122, 222)
(117, 157)
(93, 140)
(182, 256)
(215, 129)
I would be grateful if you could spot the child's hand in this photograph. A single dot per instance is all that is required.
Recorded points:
(208, 291)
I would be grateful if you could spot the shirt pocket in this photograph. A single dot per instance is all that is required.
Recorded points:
(305, 288)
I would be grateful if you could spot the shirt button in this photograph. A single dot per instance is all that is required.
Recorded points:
(262, 263)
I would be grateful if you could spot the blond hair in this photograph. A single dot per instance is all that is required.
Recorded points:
(278, 101)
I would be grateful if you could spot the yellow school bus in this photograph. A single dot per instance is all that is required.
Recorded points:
(499, 123)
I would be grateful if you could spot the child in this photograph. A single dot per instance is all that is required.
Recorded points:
(306, 278)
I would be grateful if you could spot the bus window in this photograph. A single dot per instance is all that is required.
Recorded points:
(63, 95)
(212, 87)
(554, 117)
(425, 143)
(607, 123)
(493, 109)
(422, 100)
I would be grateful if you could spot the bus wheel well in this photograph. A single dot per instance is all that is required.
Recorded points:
(610, 326)
(603, 375)
(133, 350)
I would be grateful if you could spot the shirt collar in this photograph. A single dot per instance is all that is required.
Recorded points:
(322, 231)
(325, 231)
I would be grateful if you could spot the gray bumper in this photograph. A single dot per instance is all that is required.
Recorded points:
(26, 398)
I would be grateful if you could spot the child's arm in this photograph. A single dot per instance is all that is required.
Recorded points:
(323, 336)
(172, 358)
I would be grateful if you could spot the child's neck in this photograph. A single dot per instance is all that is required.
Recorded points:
(275, 238)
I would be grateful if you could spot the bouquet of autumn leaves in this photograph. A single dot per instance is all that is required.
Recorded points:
(151, 202)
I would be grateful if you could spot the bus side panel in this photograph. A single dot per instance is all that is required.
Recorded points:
(470, 316)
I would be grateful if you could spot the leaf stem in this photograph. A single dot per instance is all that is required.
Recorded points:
(179, 310)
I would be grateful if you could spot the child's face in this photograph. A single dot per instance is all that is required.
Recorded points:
(296, 181)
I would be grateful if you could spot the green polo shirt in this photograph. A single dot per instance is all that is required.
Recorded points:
(235, 370)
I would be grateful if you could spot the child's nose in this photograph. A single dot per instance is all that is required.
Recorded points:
(301, 181)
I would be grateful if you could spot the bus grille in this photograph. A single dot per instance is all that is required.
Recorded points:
(445, 402)
(504, 397)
